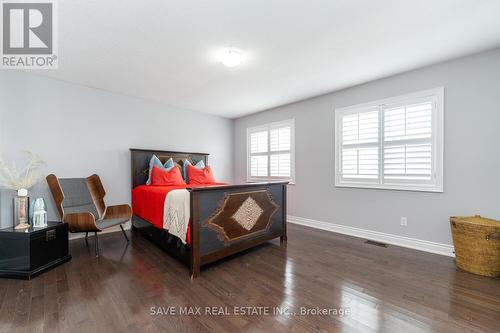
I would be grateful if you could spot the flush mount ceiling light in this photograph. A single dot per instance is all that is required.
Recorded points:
(230, 57)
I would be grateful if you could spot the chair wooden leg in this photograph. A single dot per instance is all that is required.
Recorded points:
(96, 245)
(124, 233)
(86, 235)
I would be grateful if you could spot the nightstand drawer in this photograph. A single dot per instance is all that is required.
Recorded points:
(47, 246)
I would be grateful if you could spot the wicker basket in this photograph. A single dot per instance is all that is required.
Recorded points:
(477, 244)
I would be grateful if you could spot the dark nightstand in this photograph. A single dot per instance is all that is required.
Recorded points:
(27, 253)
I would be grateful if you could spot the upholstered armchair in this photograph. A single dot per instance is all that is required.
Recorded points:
(80, 203)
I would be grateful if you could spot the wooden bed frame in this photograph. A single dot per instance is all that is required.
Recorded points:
(225, 219)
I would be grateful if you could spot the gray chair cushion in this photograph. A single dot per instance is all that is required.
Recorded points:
(103, 224)
(77, 198)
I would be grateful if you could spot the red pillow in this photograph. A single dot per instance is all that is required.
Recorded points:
(200, 176)
(162, 177)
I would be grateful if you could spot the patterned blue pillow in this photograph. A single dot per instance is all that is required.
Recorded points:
(169, 164)
(200, 165)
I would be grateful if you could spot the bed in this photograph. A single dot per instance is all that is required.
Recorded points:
(224, 219)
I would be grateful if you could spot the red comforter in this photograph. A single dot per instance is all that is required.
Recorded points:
(148, 203)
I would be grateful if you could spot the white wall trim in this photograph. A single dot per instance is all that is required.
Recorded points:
(412, 243)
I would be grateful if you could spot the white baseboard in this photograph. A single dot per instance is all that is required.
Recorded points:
(412, 243)
(112, 229)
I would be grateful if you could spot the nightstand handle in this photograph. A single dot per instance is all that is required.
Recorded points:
(50, 235)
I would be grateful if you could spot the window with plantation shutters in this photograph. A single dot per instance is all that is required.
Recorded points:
(396, 143)
(271, 152)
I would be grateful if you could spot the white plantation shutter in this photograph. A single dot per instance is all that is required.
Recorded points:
(360, 127)
(258, 145)
(258, 142)
(395, 143)
(281, 140)
(258, 165)
(408, 142)
(407, 122)
(360, 163)
(408, 162)
(360, 151)
(281, 165)
(270, 151)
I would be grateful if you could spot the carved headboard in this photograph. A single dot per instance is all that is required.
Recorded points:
(140, 161)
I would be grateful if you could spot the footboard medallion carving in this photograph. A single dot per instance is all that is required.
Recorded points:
(243, 215)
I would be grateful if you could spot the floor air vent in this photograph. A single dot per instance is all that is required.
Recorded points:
(370, 242)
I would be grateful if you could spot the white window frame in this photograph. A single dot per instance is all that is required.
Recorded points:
(436, 185)
(268, 127)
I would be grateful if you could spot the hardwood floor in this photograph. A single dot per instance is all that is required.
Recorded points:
(381, 289)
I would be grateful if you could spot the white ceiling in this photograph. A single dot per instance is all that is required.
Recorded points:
(162, 50)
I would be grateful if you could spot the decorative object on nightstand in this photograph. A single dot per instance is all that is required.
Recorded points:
(38, 214)
(32, 251)
(21, 214)
(21, 180)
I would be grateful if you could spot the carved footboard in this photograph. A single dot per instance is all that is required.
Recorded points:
(232, 218)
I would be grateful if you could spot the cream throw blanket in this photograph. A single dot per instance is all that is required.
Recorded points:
(176, 213)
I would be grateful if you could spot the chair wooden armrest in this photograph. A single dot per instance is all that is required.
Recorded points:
(81, 222)
(97, 192)
(118, 212)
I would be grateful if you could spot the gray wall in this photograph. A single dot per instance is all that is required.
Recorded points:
(472, 153)
(80, 131)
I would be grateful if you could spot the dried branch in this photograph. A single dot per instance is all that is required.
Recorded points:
(29, 175)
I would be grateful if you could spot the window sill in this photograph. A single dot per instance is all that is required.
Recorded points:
(408, 188)
(290, 182)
